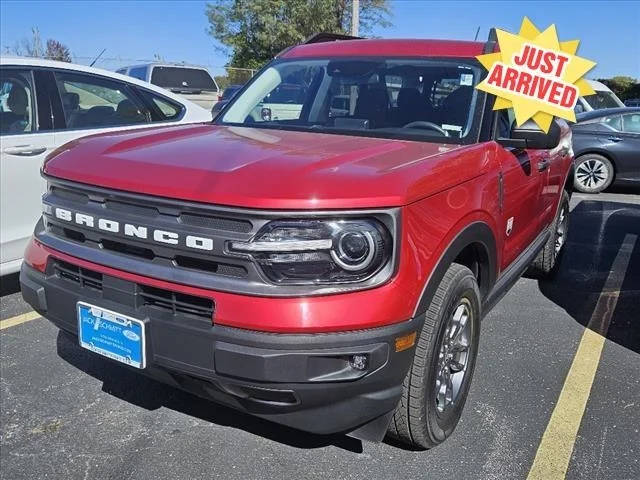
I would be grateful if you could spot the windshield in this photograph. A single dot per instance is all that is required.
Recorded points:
(603, 99)
(391, 98)
(181, 78)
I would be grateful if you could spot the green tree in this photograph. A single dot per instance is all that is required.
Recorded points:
(254, 31)
(622, 86)
(57, 51)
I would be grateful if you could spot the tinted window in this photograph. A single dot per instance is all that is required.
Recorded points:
(92, 102)
(230, 91)
(377, 97)
(16, 102)
(182, 78)
(139, 72)
(602, 99)
(613, 122)
(162, 109)
(631, 122)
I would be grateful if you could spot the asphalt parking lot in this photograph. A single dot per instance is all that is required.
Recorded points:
(67, 413)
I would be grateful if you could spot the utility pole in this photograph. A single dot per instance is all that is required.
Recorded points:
(355, 17)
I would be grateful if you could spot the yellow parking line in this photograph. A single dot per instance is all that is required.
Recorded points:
(555, 450)
(18, 319)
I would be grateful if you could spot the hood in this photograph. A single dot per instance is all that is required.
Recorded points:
(264, 168)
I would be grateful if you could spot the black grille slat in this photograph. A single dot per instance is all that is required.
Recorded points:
(216, 223)
(70, 195)
(176, 302)
(82, 276)
(132, 209)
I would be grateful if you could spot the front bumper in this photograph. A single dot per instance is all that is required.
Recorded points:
(304, 381)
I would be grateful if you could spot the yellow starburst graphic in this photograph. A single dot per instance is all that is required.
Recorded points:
(536, 75)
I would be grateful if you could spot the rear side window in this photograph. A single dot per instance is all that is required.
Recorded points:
(631, 122)
(613, 122)
(183, 78)
(89, 101)
(139, 72)
(16, 102)
(162, 109)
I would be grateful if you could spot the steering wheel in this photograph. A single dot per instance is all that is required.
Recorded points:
(426, 125)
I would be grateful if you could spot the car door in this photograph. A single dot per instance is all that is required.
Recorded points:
(520, 194)
(87, 104)
(552, 167)
(26, 138)
(626, 145)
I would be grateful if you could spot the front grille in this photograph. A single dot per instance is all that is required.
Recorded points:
(166, 300)
(175, 302)
(84, 277)
(150, 213)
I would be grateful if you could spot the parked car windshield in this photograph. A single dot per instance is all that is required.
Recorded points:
(602, 99)
(391, 98)
(182, 78)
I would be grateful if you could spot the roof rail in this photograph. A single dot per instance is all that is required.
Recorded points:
(492, 41)
(328, 37)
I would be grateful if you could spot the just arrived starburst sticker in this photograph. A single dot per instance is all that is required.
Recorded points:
(536, 75)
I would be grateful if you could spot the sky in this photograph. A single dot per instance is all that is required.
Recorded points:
(134, 31)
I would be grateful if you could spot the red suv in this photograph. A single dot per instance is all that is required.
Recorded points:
(323, 262)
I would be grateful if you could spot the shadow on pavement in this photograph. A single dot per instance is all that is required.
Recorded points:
(9, 284)
(597, 231)
(132, 387)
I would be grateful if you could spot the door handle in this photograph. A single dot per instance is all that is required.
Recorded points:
(543, 164)
(614, 139)
(24, 150)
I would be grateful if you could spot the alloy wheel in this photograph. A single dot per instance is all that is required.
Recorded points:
(592, 173)
(561, 230)
(454, 355)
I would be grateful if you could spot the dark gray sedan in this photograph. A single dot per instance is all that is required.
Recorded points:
(606, 144)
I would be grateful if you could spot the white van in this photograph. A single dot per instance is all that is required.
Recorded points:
(603, 98)
(192, 82)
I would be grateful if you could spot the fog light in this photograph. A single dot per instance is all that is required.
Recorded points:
(358, 361)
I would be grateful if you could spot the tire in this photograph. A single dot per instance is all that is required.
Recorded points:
(424, 417)
(544, 264)
(594, 173)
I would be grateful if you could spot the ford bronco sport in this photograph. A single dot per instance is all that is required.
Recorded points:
(328, 270)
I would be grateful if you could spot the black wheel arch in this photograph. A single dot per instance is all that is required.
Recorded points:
(475, 243)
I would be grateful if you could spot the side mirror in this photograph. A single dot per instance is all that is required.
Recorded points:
(529, 135)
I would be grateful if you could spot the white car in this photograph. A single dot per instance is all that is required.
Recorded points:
(192, 82)
(603, 98)
(45, 104)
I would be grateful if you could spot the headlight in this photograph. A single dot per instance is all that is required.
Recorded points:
(319, 251)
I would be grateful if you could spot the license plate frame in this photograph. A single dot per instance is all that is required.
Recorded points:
(109, 336)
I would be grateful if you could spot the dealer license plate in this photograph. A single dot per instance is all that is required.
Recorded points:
(111, 334)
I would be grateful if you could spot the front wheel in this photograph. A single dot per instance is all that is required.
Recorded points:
(436, 386)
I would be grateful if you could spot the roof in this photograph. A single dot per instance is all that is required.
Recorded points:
(167, 64)
(604, 112)
(41, 62)
(388, 48)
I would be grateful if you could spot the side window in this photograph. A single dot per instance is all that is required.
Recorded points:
(90, 101)
(614, 122)
(631, 122)
(139, 72)
(122, 71)
(162, 109)
(16, 102)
